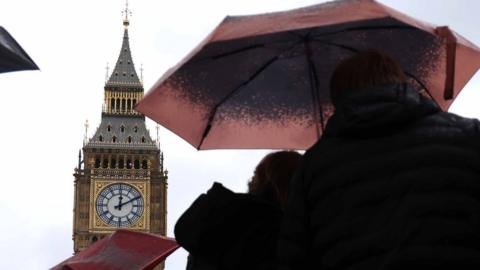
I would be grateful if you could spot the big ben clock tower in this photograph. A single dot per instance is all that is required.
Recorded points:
(120, 181)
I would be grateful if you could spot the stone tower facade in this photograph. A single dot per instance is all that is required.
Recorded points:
(120, 181)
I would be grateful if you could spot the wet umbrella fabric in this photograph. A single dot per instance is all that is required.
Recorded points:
(12, 56)
(122, 250)
(262, 81)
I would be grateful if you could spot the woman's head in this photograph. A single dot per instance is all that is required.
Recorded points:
(272, 176)
(364, 70)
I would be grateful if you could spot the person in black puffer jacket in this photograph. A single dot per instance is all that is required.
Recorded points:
(394, 183)
(223, 230)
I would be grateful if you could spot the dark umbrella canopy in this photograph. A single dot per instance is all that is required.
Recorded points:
(122, 250)
(12, 56)
(262, 81)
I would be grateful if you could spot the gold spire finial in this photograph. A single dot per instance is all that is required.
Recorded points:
(127, 12)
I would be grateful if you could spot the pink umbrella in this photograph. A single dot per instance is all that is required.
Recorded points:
(262, 81)
(122, 250)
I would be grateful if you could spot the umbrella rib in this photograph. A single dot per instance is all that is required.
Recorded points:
(360, 28)
(214, 110)
(233, 52)
(244, 49)
(422, 85)
(312, 75)
(346, 47)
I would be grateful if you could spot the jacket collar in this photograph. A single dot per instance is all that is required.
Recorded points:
(378, 111)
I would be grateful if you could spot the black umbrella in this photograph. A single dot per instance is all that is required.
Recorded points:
(12, 56)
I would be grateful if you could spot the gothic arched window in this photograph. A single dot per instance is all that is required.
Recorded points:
(97, 162)
(105, 163)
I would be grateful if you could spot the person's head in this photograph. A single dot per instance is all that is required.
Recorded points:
(272, 176)
(366, 69)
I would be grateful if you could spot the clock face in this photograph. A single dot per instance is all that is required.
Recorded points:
(119, 205)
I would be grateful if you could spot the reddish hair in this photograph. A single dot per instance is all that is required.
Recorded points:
(272, 176)
(363, 70)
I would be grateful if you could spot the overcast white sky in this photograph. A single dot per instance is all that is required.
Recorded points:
(42, 112)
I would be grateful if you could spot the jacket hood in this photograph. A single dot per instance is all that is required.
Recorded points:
(378, 111)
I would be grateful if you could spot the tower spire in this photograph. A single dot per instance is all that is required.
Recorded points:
(126, 12)
(124, 73)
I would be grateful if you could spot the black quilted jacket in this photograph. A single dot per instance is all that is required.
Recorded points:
(393, 184)
(223, 230)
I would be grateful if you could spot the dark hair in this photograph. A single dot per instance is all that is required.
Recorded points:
(272, 176)
(363, 70)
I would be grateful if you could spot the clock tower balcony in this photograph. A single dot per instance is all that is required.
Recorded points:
(111, 111)
(137, 174)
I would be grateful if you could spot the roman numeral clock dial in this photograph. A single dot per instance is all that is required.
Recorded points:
(119, 205)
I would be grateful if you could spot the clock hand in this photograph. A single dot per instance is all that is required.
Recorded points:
(120, 198)
(133, 199)
(119, 206)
